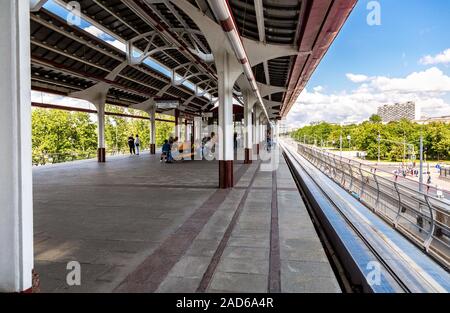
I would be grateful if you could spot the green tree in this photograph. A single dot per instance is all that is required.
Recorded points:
(375, 118)
(364, 137)
(61, 134)
(64, 136)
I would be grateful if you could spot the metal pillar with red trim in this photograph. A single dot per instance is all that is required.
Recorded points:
(227, 72)
(101, 151)
(153, 130)
(250, 100)
(177, 124)
(16, 192)
(257, 129)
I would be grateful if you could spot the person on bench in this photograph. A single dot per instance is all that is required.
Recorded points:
(166, 152)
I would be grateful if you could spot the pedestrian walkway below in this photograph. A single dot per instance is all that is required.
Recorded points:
(136, 225)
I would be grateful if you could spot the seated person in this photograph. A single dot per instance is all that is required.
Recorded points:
(166, 152)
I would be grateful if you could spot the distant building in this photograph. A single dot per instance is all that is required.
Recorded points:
(398, 111)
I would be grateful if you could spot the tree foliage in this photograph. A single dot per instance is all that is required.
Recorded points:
(364, 137)
(73, 135)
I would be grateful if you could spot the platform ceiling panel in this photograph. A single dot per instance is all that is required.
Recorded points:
(66, 58)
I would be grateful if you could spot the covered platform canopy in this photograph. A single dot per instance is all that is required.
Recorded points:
(284, 41)
(173, 50)
(203, 54)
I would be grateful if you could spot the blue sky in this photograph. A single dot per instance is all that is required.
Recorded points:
(389, 54)
(409, 30)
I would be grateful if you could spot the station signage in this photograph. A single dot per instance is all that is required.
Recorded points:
(167, 104)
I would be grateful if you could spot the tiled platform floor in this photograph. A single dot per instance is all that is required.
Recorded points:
(136, 225)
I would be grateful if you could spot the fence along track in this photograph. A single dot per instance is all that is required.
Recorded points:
(420, 217)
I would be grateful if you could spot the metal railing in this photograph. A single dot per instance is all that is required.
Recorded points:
(423, 218)
(54, 158)
(445, 173)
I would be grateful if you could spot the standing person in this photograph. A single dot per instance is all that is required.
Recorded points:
(131, 145)
(213, 142)
(269, 143)
(137, 143)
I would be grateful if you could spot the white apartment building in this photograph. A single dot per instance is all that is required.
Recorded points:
(408, 110)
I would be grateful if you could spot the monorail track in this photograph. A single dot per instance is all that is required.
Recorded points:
(371, 255)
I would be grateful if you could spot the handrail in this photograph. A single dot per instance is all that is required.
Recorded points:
(55, 158)
(374, 168)
(395, 202)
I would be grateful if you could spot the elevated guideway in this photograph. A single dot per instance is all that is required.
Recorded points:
(366, 244)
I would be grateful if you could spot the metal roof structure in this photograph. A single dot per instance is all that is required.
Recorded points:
(67, 60)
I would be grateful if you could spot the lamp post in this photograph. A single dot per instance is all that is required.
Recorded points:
(404, 151)
(379, 147)
(421, 164)
(114, 124)
(349, 138)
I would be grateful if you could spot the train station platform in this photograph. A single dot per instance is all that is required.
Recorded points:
(138, 225)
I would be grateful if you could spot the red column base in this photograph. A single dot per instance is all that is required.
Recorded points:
(101, 155)
(152, 148)
(226, 179)
(248, 156)
(36, 284)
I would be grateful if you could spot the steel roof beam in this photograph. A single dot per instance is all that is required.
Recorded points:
(127, 24)
(111, 75)
(171, 8)
(36, 5)
(259, 10)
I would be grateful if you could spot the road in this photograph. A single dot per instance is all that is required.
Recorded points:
(410, 181)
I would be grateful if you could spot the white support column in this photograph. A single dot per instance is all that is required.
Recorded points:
(227, 76)
(198, 137)
(16, 202)
(197, 129)
(100, 105)
(177, 124)
(264, 131)
(277, 131)
(257, 130)
(262, 134)
(152, 115)
(248, 132)
(261, 130)
(187, 131)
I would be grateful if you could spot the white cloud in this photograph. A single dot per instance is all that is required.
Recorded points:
(430, 80)
(318, 89)
(102, 35)
(357, 78)
(441, 58)
(118, 44)
(94, 31)
(42, 97)
(427, 88)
